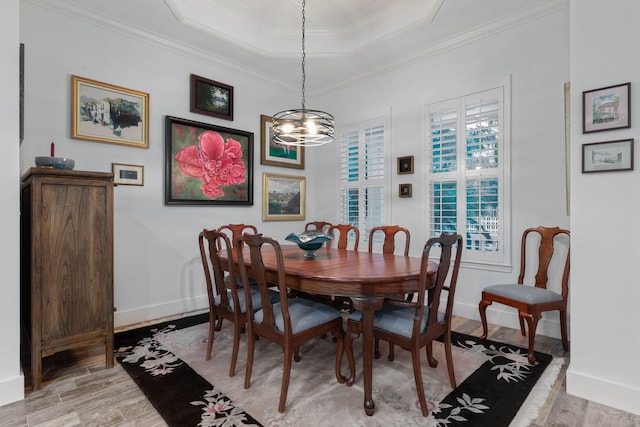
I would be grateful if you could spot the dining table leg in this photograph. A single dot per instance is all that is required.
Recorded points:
(368, 306)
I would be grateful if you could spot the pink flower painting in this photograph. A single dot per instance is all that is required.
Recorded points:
(215, 162)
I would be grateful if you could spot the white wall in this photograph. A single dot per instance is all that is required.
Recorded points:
(11, 379)
(157, 265)
(604, 215)
(533, 57)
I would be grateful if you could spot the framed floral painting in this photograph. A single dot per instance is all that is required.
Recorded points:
(207, 164)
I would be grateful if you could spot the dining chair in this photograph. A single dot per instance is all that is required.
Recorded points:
(344, 232)
(321, 226)
(413, 325)
(225, 301)
(544, 264)
(289, 322)
(389, 232)
(234, 231)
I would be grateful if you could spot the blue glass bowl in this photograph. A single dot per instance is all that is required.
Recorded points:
(309, 241)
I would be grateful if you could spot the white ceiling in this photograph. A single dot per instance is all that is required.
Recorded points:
(346, 40)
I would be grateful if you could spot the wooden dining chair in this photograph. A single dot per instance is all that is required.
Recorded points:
(389, 232)
(344, 231)
(234, 231)
(413, 325)
(225, 301)
(321, 226)
(544, 261)
(289, 322)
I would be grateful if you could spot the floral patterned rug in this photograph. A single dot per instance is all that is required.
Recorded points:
(496, 385)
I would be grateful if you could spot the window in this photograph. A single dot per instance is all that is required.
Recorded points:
(363, 176)
(468, 147)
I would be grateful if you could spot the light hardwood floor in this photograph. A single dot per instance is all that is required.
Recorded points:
(79, 391)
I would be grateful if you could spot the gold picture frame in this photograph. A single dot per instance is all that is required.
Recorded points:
(274, 154)
(103, 112)
(283, 197)
(124, 174)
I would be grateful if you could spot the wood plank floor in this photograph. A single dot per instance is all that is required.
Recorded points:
(79, 391)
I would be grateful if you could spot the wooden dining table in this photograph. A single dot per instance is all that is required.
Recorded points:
(365, 277)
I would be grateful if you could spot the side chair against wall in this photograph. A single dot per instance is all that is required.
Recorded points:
(225, 301)
(548, 265)
(390, 233)
(412, 325)
(343, 231)
(289, 322)
(321, 226)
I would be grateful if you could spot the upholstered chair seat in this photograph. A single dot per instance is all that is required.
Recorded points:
(305, 314)
(525, 294)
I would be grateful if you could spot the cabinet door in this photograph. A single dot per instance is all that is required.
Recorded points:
(76, 262)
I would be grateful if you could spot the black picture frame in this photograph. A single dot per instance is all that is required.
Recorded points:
(608, 156)
(405, 165)
(211, 98)
(606, 108)
(189, 181)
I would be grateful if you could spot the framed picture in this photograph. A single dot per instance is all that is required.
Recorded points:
(283, 197)
(207, 164)
(405, 190)
(607, 156)
(405, 165)
(124, 174)
(274, 154)
(211, 98)
(106, 113)
(606, 108)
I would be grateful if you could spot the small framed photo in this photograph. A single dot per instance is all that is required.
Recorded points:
(207, 164)
(211, 98)
(607, 156)
(405, 165)
(606, 108)
(106, 113)
(405, 190)
(283, 197)
(274, 154)
(124, 174)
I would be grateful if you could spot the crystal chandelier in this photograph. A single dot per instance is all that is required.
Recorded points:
(303, 127)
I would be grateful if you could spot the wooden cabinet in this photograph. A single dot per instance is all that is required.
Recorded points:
(67, 263)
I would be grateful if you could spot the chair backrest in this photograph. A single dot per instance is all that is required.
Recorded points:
(545, 258)
(343, 235)
(321, 226)
(445, 279)
(236, 230)
(210, 241)
(256, 244)
(389, 243)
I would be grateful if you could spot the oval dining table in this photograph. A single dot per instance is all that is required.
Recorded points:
(367, 278)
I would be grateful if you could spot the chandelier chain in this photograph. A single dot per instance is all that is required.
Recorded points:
(304, 76)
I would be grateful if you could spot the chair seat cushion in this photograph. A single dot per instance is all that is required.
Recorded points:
(397, 320)
(304, 315)
(256, 302)
(524, 293)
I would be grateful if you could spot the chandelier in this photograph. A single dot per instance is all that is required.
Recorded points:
(303, 127)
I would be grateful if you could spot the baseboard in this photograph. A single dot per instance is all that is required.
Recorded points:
(12, 389)
(502, 315)
(619, 396)
(123, 318)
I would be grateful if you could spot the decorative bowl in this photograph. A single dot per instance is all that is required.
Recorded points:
(55, 162)
(309, 241)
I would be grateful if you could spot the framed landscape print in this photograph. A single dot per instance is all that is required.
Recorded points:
(607, 156)
(107, 113)
(207, 164)
(283, 197)
(127, 174)
(211, 98)
(606, 108)
(274, 154)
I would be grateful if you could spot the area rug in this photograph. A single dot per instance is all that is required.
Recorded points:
(496, 385)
